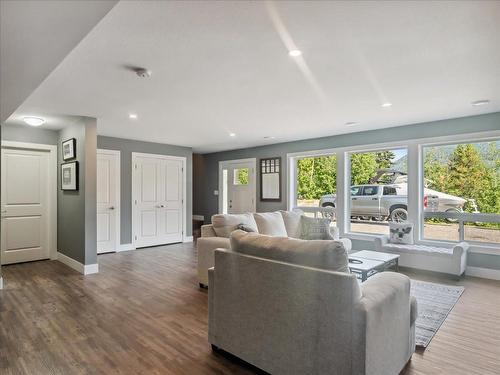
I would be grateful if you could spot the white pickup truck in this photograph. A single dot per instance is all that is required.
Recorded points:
(380, 202)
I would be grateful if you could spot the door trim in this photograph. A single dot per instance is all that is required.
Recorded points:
(118, 210)
(224, 163)
(183, 159)
(52, 205)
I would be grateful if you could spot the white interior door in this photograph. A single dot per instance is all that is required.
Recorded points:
(158, 203)
(238, 186)
(108, 200)
(25, 205)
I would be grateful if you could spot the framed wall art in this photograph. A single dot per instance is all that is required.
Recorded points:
(69, 149)
(69, 176)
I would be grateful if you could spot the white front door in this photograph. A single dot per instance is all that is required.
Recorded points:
(238, 186)
(157, 199)
(108, 205)
(25, 205)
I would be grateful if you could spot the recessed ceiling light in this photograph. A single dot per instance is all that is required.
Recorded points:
(269, 137)
(232, 134)
(295, 52)
(351, 123)
(387, 105)
(34, 121)
(132, 116)
(480, 102)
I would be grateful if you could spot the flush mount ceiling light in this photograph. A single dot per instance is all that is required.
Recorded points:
(386, 105)
(34, 121)
(478, 103)
(295, 52)
(351, 123)
(143, 73)
(132, 116)
(232, 134)
(269, 137)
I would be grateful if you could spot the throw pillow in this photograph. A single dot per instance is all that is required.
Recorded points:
(225, 224)
(292, 222)
(246, 228)
(401, 233)
(271, 224)
(315, 229)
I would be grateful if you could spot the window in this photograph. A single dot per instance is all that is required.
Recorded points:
(241, 176)
(379, 190)
(316, 185)
(464, 179)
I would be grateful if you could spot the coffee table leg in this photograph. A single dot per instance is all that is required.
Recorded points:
(397, 265)
(364, 276)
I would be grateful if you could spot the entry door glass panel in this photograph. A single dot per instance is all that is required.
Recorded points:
(24, 206)
(240, 184)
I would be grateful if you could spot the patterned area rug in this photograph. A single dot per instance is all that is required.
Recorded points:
(435, 302)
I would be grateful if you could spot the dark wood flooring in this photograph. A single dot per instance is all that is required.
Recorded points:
(143, 313)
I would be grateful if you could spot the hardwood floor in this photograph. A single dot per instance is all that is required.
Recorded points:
(144, 314)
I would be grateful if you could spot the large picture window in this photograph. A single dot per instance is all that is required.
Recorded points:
(466, 180)
(378, 190)
(316, 185)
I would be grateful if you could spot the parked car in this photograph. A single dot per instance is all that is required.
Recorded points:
(386, 197)
(380, 202)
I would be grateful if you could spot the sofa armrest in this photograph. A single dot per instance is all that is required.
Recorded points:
(380, 241)
(211, 298)
(382, 324)
(206, 248)
(208, 231)
(460, 248)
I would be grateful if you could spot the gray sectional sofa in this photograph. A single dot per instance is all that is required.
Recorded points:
(289, 306)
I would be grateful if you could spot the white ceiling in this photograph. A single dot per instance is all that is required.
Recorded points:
(221, 67)
(35, 36)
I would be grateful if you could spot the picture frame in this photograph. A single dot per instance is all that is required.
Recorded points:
(69, 176)
(270, 179)
(69, 149)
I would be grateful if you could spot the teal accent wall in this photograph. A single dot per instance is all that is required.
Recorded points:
(206, 169)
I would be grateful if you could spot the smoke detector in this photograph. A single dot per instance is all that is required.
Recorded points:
(143, 73)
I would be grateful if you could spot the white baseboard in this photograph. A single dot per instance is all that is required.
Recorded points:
(1, 282)
(125, 247)
(485, 273)
(87, 269)
(188, 239)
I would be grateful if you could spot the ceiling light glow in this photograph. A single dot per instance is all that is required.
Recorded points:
(478, 103)
(387, 105)
(132, 116)
(232, 134)
(34, 121)
(269, 137)
(295, 52)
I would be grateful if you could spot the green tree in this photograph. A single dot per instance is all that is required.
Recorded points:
(316, 177)
(384, 159)
(363, 167)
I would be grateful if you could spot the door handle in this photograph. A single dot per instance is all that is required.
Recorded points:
(160, 206)
(374, 199)
(112, 208)
(354, 199)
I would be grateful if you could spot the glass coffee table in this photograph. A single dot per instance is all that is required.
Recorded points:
(367, 263)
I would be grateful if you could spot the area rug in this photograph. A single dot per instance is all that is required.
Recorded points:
(435, 302)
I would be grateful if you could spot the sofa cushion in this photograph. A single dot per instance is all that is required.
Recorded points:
(292, 222)
(328, 255)
(315, 229)
(271, 224)
(225, 224)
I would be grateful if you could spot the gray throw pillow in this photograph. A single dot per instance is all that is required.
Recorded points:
(246, 228)
(315, 229)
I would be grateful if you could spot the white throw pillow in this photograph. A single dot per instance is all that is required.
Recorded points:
(315, 229)
(401, 233)
(271, 224)
(292, 222)
(225, 224)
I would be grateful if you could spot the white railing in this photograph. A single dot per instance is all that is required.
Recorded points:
(328, 212)
(462, 218)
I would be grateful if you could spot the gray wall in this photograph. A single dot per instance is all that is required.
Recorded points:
(126, 147)
(76, 210)
(30, 134)
(206, 172)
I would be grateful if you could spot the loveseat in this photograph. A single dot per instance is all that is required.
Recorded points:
(278, 224)
(289, 306)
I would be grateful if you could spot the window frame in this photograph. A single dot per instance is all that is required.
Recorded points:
(415, 182)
